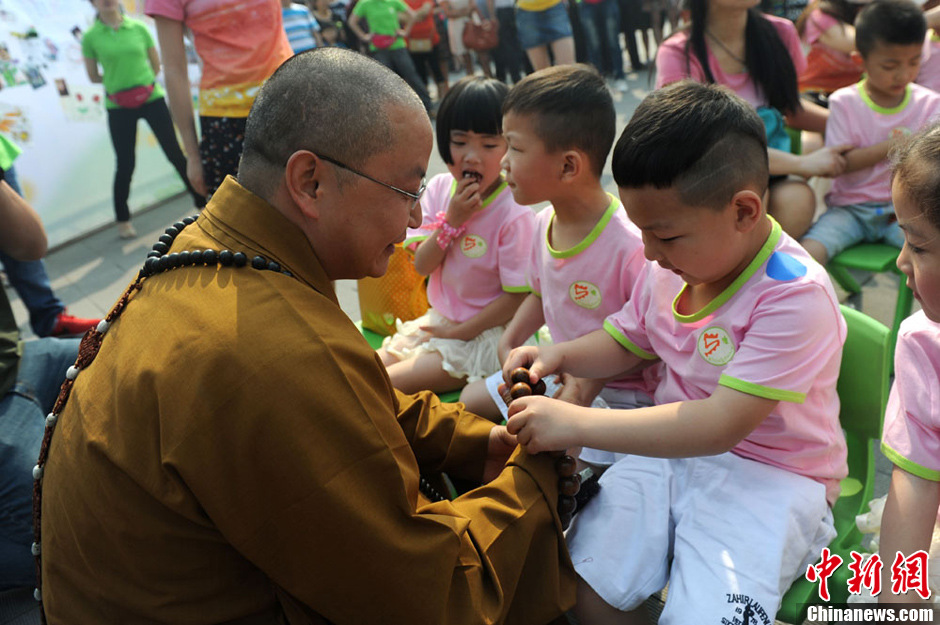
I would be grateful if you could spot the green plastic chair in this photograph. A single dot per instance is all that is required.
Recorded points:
(375, 340)
(873, 258)
(863, 394)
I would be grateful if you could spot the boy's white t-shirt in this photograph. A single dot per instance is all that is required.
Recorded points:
(487, 260)
(911, 438)
(581, 286)
(775, 332)
(854, 119)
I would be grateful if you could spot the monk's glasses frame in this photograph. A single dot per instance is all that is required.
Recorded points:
(415, 197)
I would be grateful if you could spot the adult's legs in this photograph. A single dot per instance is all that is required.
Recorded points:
(539, 58)
(122, 124)
(563, 51)
(400, 63)
(629, 23)
(22, 423)
(591, 17)
(610, 36)
(158, 117)
(509, 39)
(220, 148)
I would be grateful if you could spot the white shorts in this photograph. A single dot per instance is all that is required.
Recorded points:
(728, 534)
(455, 26)
(608, 398)
(474, 359)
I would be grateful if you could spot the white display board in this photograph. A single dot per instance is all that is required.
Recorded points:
(56, 115)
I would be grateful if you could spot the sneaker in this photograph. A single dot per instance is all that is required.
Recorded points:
(620, 85)
(126, 230)
(70, 325)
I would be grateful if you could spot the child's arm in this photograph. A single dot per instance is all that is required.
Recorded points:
(840, 37)
(869, 156)
(496, 313)
(907, 525)
(528, 319)
(594, 355)
(465, 202)
(353, 22)
(828, 162)
(685, 429)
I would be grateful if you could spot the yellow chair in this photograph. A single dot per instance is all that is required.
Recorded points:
(863, 394)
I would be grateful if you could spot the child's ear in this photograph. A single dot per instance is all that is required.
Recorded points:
(573, 164)
(749, 209)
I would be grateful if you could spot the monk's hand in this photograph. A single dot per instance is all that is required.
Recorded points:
(500, 446)
(543, 424)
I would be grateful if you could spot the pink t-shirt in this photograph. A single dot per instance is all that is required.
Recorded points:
(488, 260)
(775, 332)
(582, 285)
(672, 65)
(929, 75)
(856, 120)
(911, 438)
(826, 69)
(240, 44)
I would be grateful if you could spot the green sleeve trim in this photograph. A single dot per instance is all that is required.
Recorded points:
(860, 85)
(590, 238)
(908, 465)
(415, 239)
(759, 390)
(517, 289)
(627, 343)
(762, 255)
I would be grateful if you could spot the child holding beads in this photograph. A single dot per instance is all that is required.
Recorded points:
(911, 436)
(726, 488)
(587, 254)
(474, 244)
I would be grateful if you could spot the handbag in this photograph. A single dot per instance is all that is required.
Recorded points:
(399, 294)
(132, 98)
(480, 34)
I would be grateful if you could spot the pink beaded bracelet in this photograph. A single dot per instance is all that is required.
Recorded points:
(447, 232)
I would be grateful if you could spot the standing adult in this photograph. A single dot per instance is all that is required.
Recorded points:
(125, 51)
(240, 44)
(257, 466)
(508, 55)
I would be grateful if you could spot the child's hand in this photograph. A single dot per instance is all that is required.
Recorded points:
(543, 424)
(466, 201)
(539, 361)
(500, 446)
(828, 161)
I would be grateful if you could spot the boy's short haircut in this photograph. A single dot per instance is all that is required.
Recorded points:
(897, 22)
(702, 140)
(573, 107)
(917, 168)
(474, 103)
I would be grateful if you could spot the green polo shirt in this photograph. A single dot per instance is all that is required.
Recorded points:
(8, 153)
(122, 54)
(382, 16)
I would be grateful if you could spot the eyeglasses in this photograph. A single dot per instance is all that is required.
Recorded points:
(415, 197)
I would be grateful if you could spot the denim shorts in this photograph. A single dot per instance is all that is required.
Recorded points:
(541, 28)
(841, 227)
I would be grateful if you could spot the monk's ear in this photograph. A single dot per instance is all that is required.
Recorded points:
(303, 176)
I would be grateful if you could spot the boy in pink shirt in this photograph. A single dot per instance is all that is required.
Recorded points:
(726, 490)
(873, 115)
(586, 254)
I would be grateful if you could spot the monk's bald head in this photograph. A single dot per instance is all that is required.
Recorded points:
(330, 101)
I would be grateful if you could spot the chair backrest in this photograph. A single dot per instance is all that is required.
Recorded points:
(863, 378)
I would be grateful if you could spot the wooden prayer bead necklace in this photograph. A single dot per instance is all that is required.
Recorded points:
(569, 482)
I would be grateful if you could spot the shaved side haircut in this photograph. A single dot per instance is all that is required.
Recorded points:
(702, 140)
(330, 101)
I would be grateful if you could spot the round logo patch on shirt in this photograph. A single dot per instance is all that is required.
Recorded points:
(585, 294)
(473, 246)
(715, 346)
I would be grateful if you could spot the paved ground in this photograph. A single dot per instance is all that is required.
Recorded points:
(90, 272)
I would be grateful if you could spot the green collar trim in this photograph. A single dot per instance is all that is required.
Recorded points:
(877, 107)
(762, 255)
(492, 196)
(590, 238)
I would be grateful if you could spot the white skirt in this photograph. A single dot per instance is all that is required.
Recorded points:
(474, 359)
